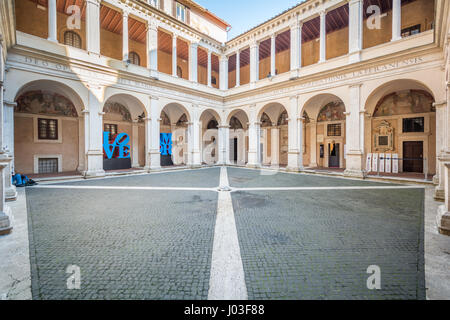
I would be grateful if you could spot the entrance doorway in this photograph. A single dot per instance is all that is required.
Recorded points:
(413, 156)
(333, 159)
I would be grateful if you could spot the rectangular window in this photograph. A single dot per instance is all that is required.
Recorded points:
(334, 130)
(411, 31)
(111, 128)
(383, 140)
(47, 129)
(48, 165)
(414, 125)
(181, 12)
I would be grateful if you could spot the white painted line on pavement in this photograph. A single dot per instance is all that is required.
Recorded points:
(227, 280)
(327, 188)
(121, 188)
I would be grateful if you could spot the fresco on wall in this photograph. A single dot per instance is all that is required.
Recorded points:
(41, 102)
(183, 121)
(165, 121)
(112, 109)
(306, 117)
(333, 111)
(404, 102)
(265, 120)
(235, 124)
(283, 119)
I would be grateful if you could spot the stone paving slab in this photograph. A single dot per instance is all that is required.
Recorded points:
(128, 245)
(205, 178)
(319, 244)
(245, 178)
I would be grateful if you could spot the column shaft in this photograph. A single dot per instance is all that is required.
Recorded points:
(52, 21)
(396, 20)
(323, 36)
(93, 26)
(125, 50)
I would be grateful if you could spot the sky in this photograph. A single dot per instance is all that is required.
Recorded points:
(246, 14)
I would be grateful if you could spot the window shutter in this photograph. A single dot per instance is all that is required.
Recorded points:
(174, 8)
(188, 16)
(161, 5)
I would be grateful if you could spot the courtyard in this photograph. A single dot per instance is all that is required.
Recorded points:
(226, 233)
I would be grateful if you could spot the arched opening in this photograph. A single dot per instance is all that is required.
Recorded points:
(274, 135)
(174, 135)
(238, 138)
(401, 130)
(48, 130)
(209, 135)
(324, 135)
(123, 133)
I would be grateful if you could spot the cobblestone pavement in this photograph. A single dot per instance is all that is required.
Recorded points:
(245, 178)
(146, 244)
(319, 244)
(128, 245)
(204, 178)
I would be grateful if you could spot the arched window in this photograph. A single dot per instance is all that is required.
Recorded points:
(134, 58)
(72, 39)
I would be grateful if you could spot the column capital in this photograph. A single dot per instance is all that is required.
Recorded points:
(94, 2)
(223, 58)
(323, 13)
(440, 104)
(125, 12)
(9, 103)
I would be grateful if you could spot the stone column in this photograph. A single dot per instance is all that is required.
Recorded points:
(323, 36)
(296, 48)
(300, 126)
(52, 21)
(355, 134)
(223, 72)
(152, 47)
(125, 50)
(5, 159)
(224, 144)
(254, 62)
(93, 127)
(174, 55)
(8, 140)
(209, 69)
(254, 137)
(195, 144)
(152, 128)
(135, 144)
(293, 136)
(193, 65)
(273, 42)
(275, 145)
(93, 26)
(5, 211)
(313, 142)
(439, 178)
(396, 20)
(238, 68)
(443, 217)
(355, 30)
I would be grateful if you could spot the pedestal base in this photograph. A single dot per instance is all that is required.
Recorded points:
(439, 194)
(94, 174)
(11, 193)
(5, 222)
(443, 221)
(355, 173)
